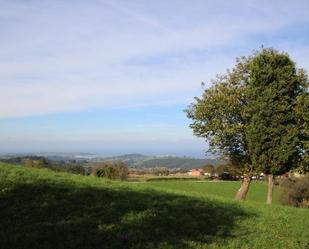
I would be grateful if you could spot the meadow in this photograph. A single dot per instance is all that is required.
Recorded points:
(40, 208)
(226, 189)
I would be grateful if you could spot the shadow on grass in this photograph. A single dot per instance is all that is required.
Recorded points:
(65, 216)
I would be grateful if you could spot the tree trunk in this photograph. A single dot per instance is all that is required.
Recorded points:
(270, 189)
(242, 192)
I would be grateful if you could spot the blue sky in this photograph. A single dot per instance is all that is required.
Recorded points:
(113, 76)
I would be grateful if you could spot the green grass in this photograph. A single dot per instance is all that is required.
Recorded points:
(227, 189)
(43, 209)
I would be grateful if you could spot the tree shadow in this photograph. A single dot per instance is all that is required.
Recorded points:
(47, 215)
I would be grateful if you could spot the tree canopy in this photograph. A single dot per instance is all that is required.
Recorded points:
(256, 114)
(275, 95)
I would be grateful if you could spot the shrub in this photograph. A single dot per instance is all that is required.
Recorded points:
(35, 162)
(111, 170)
(296, 191)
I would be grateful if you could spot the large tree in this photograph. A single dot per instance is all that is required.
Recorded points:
(254, 106)
(277, 130)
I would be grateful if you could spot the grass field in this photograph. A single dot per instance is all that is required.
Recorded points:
(225, 189)
(43, 209)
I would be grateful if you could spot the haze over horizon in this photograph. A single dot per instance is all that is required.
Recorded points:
(114, 77)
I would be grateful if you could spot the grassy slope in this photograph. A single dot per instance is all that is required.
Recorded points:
(43, 209)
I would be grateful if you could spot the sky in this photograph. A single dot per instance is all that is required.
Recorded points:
(114, 76)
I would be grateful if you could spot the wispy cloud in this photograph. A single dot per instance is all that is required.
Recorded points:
(60, 56)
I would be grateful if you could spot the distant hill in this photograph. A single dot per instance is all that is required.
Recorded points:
(179, 162)
(131, 160)
(144, 161)
(128, 159)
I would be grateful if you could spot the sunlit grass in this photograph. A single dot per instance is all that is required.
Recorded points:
(225, 189)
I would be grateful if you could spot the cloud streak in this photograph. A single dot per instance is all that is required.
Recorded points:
(63, 56)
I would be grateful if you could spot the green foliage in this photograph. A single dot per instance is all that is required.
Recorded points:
(274, 135)
(219, 115)
(257, 114)
(60, 210)
(111, 170)
(228, 172)
(302, 110)
(296, 192)
(221, 169)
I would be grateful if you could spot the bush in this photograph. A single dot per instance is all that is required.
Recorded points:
(296, 192)
(111, 170)
(35, 162)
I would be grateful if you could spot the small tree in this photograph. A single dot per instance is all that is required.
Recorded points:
(111, 170)
(209, 168)
(219, 116)
(121, 170)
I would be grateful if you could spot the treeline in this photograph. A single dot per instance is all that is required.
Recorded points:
(109, 169)
(223, 172)
(42, 162)
(157, 171)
